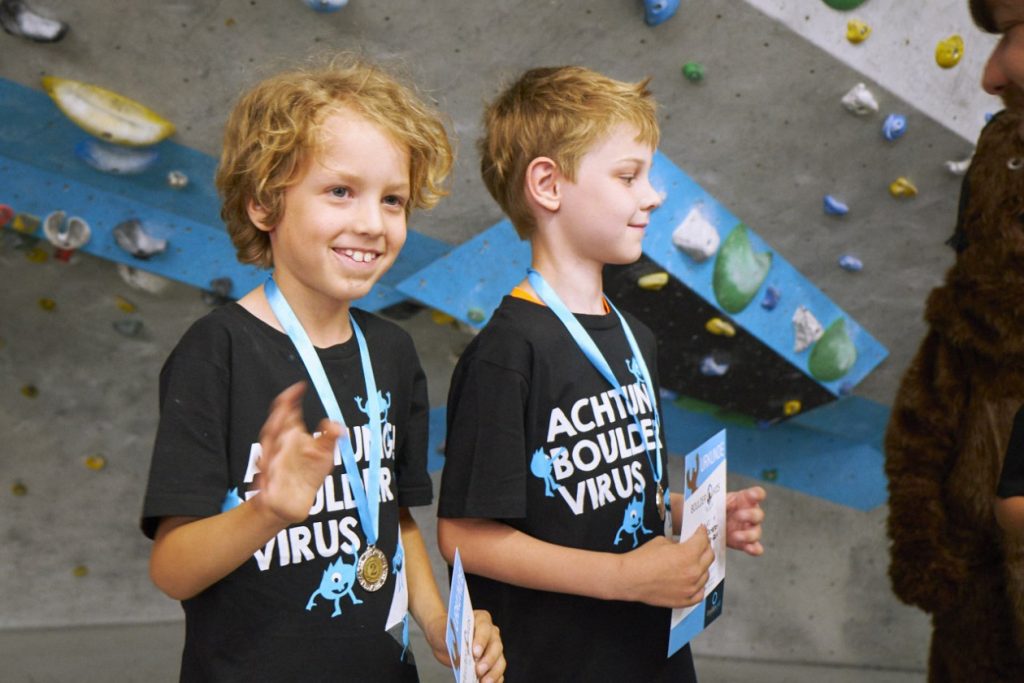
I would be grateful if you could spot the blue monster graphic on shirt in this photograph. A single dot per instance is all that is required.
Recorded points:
(336, 583)
(231, 500)
(633, 520)
(385, 405)
(540, 467)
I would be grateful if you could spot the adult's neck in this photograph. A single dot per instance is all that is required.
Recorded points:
(577, 281)
(324, 319)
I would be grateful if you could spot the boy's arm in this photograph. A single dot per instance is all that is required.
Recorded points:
(660, 572)
(190, 554)
(430, 613)
(1010, 515)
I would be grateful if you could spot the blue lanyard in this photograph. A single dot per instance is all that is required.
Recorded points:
(597, 359)
(367, 506)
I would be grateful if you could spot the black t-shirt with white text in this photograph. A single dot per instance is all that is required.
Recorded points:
(539, 440)
(294, 610)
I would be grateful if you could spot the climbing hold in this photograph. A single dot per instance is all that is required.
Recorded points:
(770, 474)
(177, 180)
(29, 391)
(859, 100)
(834, 354)
(222, 286)
(95, 462)
(772, 295)
(80, 571)
(844, 5)
(709, 367)
(106, 114)
(6, 215)
(806, 329)
(720, 327)
(476, 315)
(834, 207)
(949, 51)
(47, 304)
(36, 255)
(326, 5)
(959, 167)
(857, 31)
(845, 389)
(131, 237)
(652, 282)
(124, 305)
(792, 408)
(18, 20)
(129, 327)
(902, 187)
(739, 271)
(19, 489)
(658, 11)
(696, 236)
(851, 263)
(693, 72)
(441, 318)
(115, 158)
(894, 126)
(26, 223)
(142, 280)
(69, 234)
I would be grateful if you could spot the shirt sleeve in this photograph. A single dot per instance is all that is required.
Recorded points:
(1011, 481)
(414, 485)
(485, 463)
(189, 470)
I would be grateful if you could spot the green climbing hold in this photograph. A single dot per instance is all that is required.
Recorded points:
(834, 354)
(739, 272)
(844, 4)
(693, 71)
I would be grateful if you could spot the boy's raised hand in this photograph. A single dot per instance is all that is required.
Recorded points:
(664, 573)
(743, 515)
(294, 463)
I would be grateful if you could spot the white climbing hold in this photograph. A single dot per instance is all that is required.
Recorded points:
(696, 236)
(860, 101)
(807, 329)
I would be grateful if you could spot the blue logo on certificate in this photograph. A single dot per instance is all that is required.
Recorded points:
(459, 630)
(703, 503)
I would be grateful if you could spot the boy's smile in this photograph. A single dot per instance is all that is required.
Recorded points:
(344, 220)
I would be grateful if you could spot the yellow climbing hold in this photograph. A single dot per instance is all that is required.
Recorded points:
(95, 462)
(720, 327)
(902, 187)
(26, 223)
(125, 305)
(652, 282)
(106, 114)
(80, 571)
(47, 304)
(857, 31)
(949, 51)
(36, 255)
(18, 489)
(441, 318)
(792, 408)
(29, 391)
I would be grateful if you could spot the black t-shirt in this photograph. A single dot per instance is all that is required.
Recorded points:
(285, 614)
(538, 439)
(1011, 481)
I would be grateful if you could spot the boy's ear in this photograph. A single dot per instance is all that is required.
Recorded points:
(542, 183)
(258, 216)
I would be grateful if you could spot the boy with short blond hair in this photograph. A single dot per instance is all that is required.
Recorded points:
(554, 488)
(292, 550)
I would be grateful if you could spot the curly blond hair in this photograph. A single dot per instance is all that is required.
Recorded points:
(274, 131)
(559, 113)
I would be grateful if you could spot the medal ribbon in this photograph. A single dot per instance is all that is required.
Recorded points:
(368, 507)
(597, 359)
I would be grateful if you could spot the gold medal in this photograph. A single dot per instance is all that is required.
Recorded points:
(659, 498)
(372, 570)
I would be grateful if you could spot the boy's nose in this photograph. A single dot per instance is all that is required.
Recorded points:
(371, 219)
(652, 198)
(993, 78)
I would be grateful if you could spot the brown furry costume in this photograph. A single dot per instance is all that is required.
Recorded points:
(950, 426)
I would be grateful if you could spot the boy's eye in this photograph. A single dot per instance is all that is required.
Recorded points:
(628, 179)
(394, 200)
(339, 191)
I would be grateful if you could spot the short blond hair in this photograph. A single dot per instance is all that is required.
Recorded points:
(274, 131)
(559, 113)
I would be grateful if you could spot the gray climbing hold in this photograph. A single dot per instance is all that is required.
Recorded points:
(66, 233)
(709, 367)
(177, 180)
(859, 100)
(18, 20)
(806, 329)
(132, 237)
(696, 237)
(128, 327)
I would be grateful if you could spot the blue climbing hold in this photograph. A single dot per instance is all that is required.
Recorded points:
(658, 11)
(834, 207)
(850, 262)
(895, 126)
(772, 295)
(326, 5)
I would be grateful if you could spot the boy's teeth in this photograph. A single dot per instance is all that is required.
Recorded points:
(360, 256)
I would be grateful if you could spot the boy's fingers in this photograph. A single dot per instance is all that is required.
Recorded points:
(330, 432)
